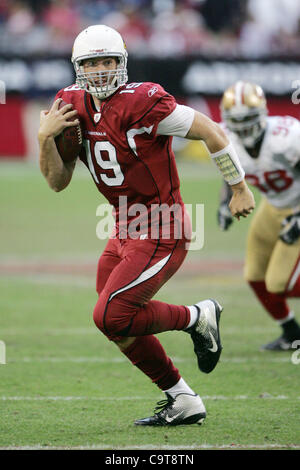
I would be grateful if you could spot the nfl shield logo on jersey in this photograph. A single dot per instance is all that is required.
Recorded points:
(97, 117)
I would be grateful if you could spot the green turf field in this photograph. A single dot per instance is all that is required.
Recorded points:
(64, 385)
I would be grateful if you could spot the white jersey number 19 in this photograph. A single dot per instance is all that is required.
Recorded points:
(110, 164)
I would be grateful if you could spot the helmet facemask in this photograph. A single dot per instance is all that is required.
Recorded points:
(101, 84)
(249, 126)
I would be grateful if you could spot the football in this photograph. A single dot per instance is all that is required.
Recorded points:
(69, 141)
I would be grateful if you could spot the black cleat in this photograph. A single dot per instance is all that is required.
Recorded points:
(281, 344)
(183, 409)
(205, 334)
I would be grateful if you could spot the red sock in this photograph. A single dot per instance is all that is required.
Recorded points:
(157, 317)
(275, 304)
(148, 355)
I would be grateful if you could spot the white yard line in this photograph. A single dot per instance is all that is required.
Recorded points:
(153, 447)
(229, 330)
(265, 396)
(117, 360)
(49, 331)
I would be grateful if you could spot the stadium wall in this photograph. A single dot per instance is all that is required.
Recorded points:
(31, 84)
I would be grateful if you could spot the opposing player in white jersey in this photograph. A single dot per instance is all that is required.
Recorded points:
(269, 151)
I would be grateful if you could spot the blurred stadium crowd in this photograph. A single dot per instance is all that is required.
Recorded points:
(213, 43)
(231, 28)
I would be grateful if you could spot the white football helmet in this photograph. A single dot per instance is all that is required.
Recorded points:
(100, 41)
(244, 111)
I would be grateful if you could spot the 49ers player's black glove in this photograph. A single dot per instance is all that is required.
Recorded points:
(290, 232)
(224, 216)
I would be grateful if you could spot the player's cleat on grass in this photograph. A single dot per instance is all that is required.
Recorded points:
(205, 334)
(183, 409)
(280, 344)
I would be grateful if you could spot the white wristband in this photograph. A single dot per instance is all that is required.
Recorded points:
(229, 165)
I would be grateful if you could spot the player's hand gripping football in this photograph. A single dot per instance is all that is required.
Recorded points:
(54, 121)
(290, 232)
(242, 201)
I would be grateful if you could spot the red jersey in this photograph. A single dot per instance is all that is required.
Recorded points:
(122, 150)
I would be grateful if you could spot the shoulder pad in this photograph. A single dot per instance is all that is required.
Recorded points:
(141, 99)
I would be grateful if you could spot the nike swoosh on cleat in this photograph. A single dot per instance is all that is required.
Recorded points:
(215, 346)
(172, 418)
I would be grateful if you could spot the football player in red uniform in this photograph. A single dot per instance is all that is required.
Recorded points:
(127, 131)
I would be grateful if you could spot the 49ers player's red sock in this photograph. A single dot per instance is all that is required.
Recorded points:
(149, 356)
(275, 304)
